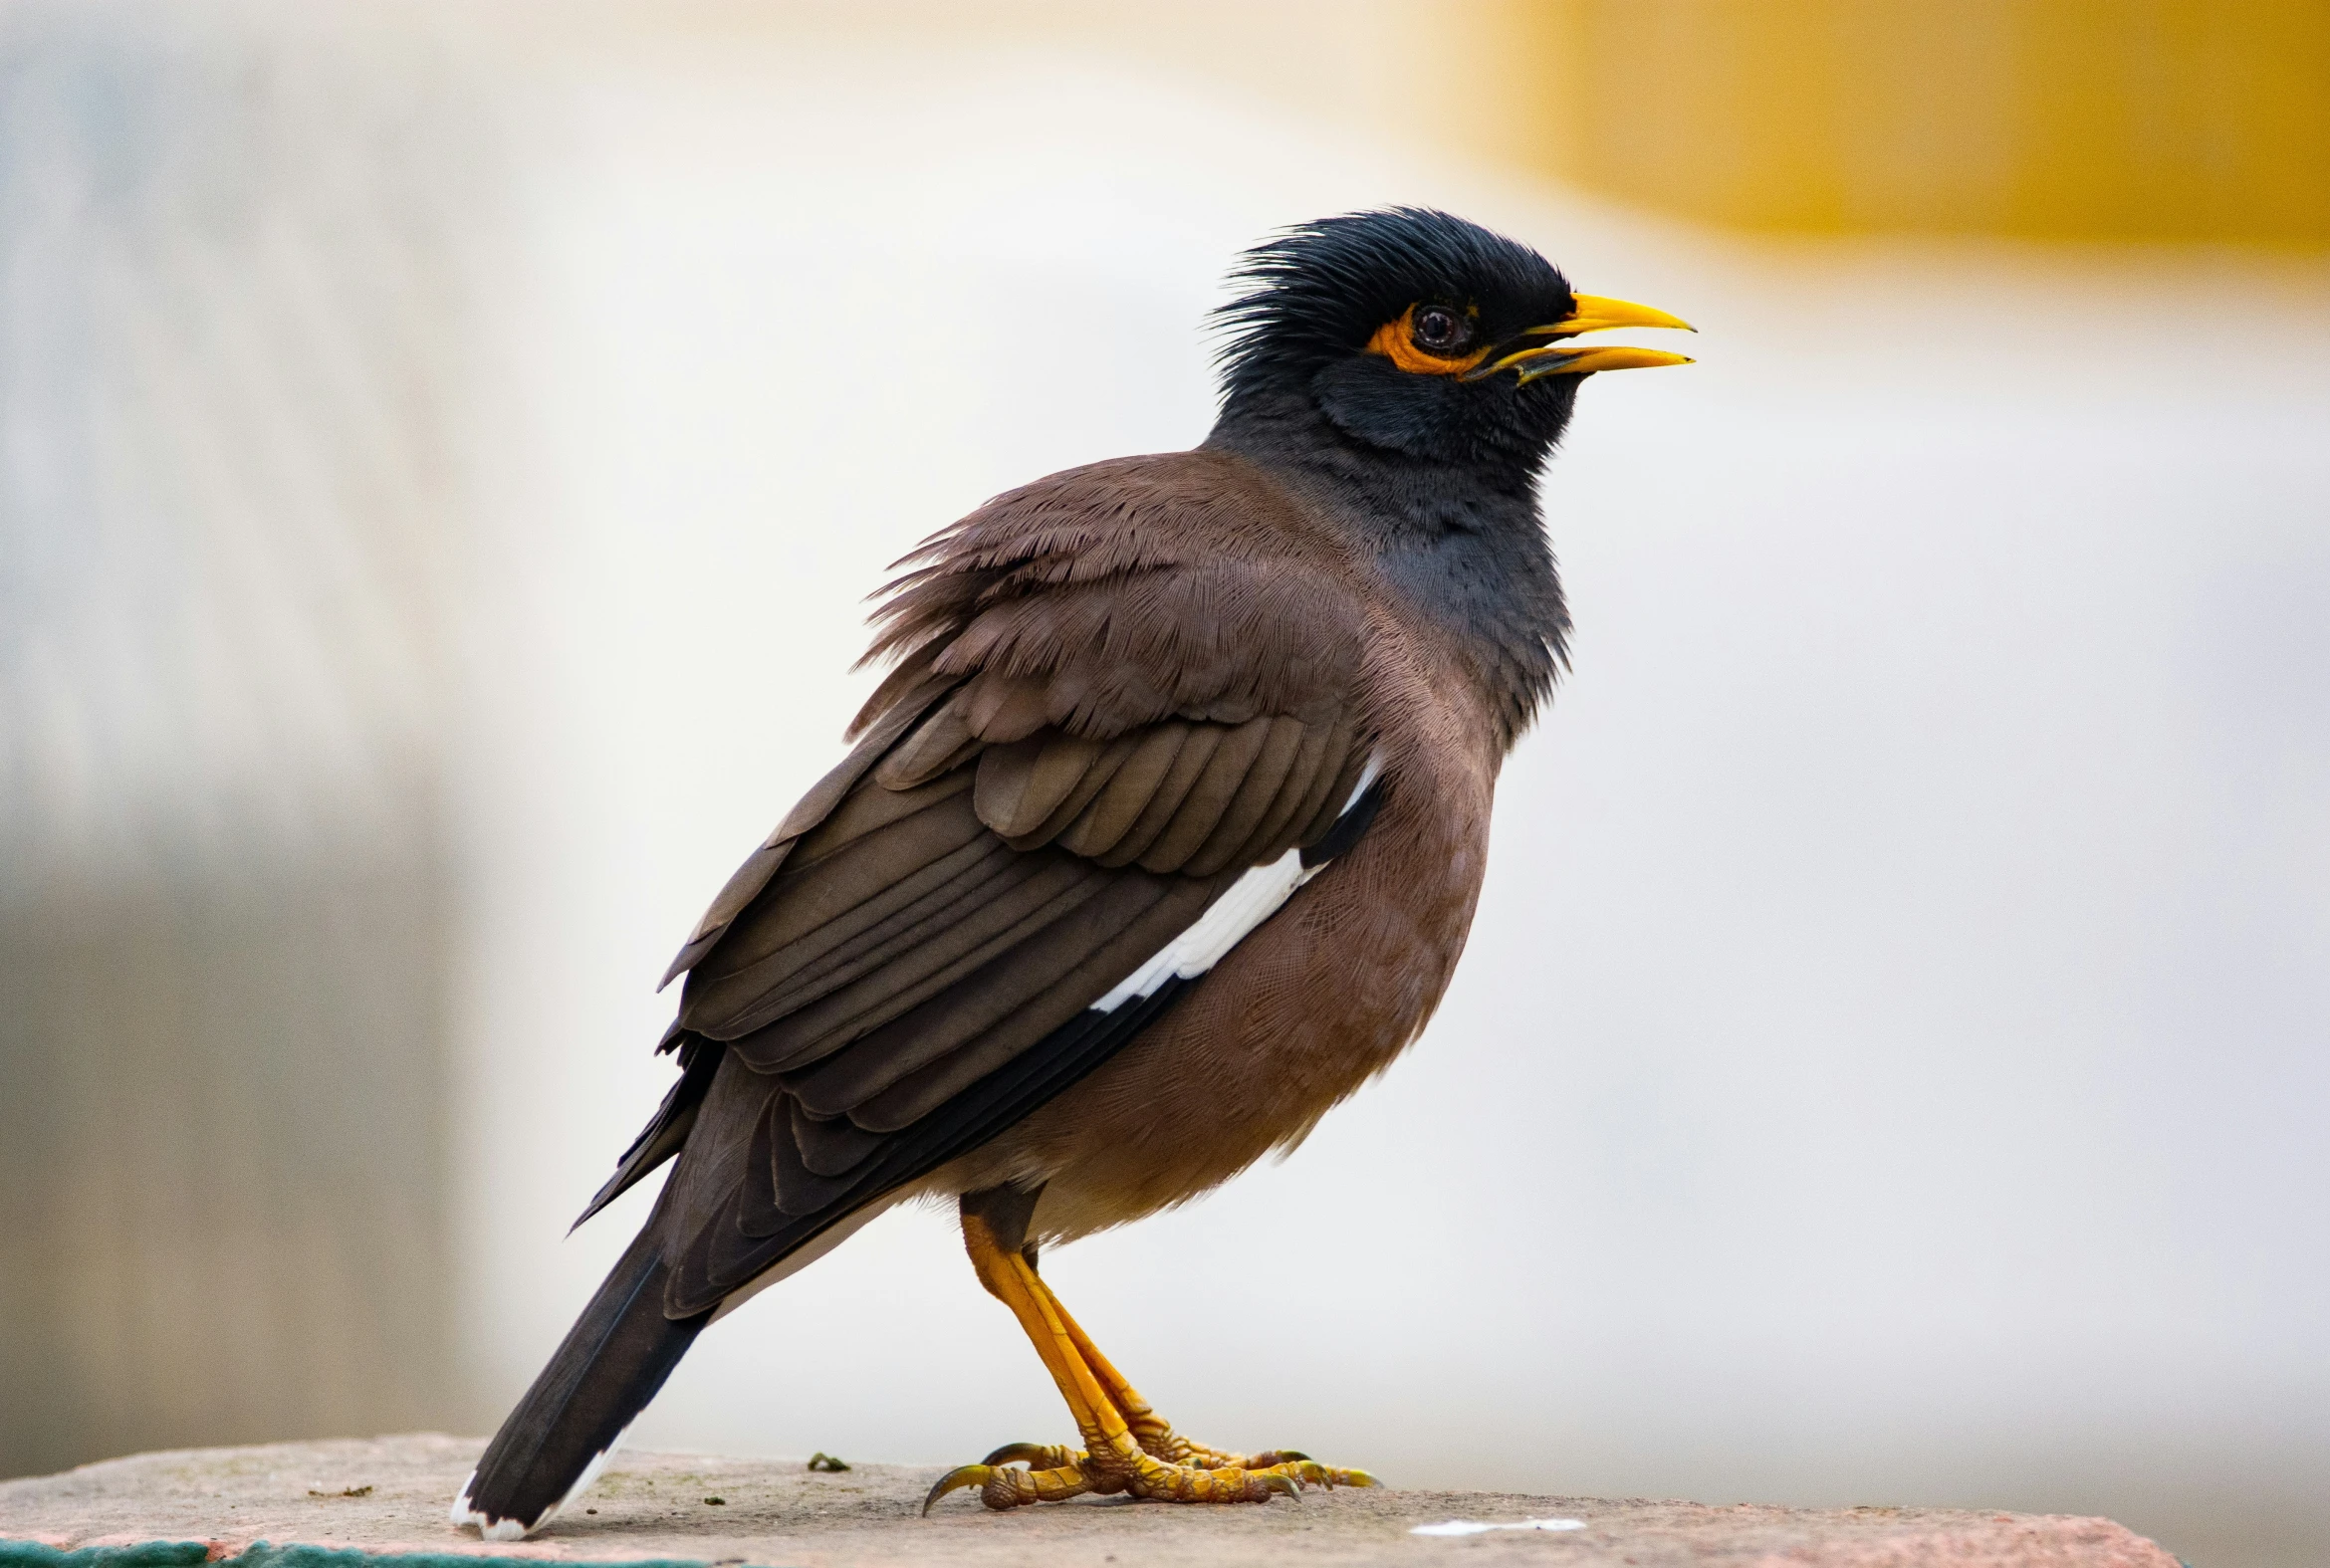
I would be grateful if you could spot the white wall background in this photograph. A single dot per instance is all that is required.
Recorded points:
(1891, 1060)
(232, 340)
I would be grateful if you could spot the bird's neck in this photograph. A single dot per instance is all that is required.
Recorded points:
(1461, 544)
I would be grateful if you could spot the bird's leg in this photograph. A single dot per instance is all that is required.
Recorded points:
(1113, 1459)
(1155, 1434)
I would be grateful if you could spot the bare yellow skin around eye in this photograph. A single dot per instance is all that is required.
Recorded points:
(1396, 342)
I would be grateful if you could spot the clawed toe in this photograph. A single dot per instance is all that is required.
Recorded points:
(1056, 1474)
(1328, 1475)
(1035, 1456)
(956, 1480)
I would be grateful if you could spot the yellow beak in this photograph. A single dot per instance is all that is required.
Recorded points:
(1594, 314)
(1591, 312)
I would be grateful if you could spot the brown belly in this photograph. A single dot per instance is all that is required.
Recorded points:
(1296, 1018)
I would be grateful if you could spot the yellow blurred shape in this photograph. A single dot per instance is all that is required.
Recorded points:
(2119, 119)
(2088, 120)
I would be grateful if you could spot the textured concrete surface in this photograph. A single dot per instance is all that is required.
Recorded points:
(389, 1494)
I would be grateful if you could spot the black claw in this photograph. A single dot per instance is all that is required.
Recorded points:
(1013, 1453)
(953, 1480)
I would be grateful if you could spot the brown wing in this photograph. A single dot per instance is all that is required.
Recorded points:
(1083, 764)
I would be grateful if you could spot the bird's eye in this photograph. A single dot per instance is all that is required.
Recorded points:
(1431, 339)
(1440, 329)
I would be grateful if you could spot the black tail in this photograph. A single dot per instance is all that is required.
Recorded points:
(609, 1366)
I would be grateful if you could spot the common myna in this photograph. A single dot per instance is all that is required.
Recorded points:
(1161, 836)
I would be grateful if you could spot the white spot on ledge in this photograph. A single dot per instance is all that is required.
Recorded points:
(1468, 1527)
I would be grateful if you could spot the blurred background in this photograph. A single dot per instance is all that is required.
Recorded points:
(442, 454)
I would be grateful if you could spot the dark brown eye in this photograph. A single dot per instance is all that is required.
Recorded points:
(1440, 329)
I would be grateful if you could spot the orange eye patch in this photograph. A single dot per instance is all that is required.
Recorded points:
(1396, 342)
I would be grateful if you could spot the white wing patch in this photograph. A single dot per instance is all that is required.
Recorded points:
(1252, 899)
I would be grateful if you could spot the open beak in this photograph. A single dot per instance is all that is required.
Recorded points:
(1589, 313)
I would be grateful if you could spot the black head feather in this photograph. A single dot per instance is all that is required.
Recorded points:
(1319, 293)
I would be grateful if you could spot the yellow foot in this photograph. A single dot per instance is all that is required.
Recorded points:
(1009, 1486)
(1157, 1437)
(1129, 1446)
(1055, 1474)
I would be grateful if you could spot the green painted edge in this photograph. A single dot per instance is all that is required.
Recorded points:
(193, 1554)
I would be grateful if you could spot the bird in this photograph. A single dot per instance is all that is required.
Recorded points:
(1160, 836)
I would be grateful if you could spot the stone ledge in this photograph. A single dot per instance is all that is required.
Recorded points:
(388, 1497)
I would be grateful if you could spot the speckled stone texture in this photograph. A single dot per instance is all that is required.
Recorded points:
(390, 1494)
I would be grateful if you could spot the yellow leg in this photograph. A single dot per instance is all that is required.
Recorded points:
(1127, 1447)
(1156, 1434)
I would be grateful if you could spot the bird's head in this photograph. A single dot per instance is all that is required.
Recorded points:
(1419, 332)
